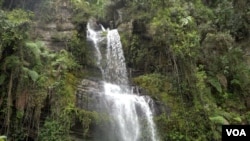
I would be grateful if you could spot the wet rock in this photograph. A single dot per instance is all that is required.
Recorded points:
(50, 26)
(94, 24)
(89, 94)
(65, 26)
(160, 108)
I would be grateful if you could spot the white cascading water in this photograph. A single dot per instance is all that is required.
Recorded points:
(131, 114)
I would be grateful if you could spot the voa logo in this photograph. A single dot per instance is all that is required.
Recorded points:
(236, 132)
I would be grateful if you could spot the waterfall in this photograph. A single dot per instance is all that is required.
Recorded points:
(131, 116)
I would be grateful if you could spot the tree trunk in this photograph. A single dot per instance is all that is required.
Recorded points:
(9, 102)
(10, 5)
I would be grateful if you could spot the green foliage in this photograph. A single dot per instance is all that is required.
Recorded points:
(64, 61)
(230, 17)
(80, 50)
(47, 10)
(3, 138)
(184, 124)
(2, 78)
(11, 62)
(32, 74)
(84, 9)
(13, 28)
(52, 131)
(175, 26)
(224, 13)
(201, 77)
(1, 3)
(87, 118)
(153, 83)
(206, 65)
(35, 70)
(19, 16)
(219, 120)
(216, 84)
(35, 49)
(80, 4)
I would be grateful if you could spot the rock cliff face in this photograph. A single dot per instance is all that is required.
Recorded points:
(88, 94)
(58, 29)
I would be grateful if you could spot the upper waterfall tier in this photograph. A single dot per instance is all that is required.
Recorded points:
(115, 71)
(111, 60)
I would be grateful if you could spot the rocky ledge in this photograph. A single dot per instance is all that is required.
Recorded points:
(56, 32)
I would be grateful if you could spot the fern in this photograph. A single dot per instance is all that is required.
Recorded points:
(216, 84)
(35, 48)
(219, 120)
(238, 119)
(31, 73)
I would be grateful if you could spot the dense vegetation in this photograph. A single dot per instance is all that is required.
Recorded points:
(189, 55)
(37, 84)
